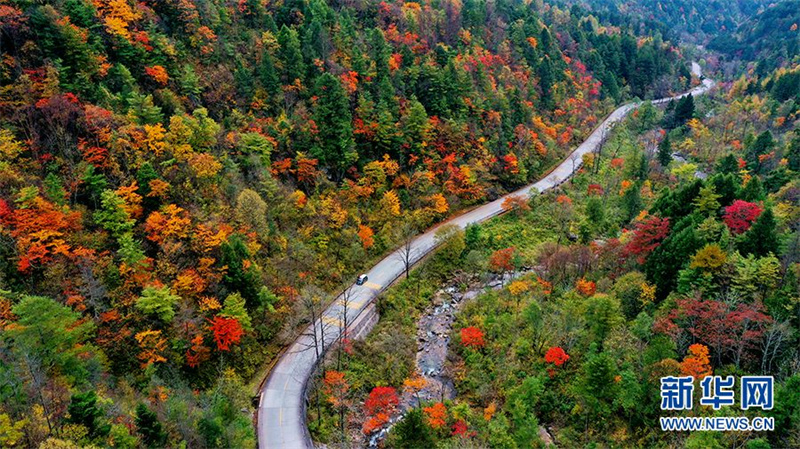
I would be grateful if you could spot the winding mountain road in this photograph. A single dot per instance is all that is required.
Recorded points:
(281, 409)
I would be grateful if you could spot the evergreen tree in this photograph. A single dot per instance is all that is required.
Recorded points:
(415, 125)
(632, 202)
(762, 238)
(726, 186)
(793, 153)
(143, 110)
(291, 57)
(753, 191)
(412, 432)
(684, 72)
(664, 263)
(148, 426)
(189, 82)
(684, 110)
(728, 164)
(83, 410)
(239, 278)
(472, 236)
(267, 75)
(243, 78)
(546, 80)
(382, 85)
(644, 72)
(664, 151)
(335, 147)
(763, 144)
(677, 204)
(597, 386)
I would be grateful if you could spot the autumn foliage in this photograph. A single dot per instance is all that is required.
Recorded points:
(556, 355)
(226, 331)
(647, 235)
(379, 407)
(335, 386)
(696, 363)
(740, 215)
(472, 337)
(502, 260)
(585, 287)
(436, 415)
(158, 74)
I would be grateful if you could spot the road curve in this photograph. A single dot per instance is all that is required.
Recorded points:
(281, 409)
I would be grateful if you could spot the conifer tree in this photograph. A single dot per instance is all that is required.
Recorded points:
(665, 151)
(335, 147)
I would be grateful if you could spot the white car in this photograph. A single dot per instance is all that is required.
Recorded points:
(362, 278)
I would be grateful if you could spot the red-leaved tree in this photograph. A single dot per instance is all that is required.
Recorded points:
(379, 406)
(556, 355)
(647, 235)
(740, 215)
(227, 332)
(502, 260)
(436, 415)
(472, 337)
(735, 332)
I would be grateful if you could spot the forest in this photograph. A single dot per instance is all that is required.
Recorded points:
(644, 265)
(183, 181)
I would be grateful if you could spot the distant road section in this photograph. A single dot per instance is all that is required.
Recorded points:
(281, 409)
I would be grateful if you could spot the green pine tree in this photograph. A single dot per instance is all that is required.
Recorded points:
(148, 426)
(83, 409)
(412, 432)
(294, 68)
(762, 238)
(664, 151)
(335, 147)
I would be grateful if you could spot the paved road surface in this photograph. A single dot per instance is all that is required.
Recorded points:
(281, 411)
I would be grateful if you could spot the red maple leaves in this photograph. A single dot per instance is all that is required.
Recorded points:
(556, 355)
(472, 337)
(41, 229)
(740, 215)
(646, 237)
(502, 260)
(379, 406)
(723, 328)
(227, 332)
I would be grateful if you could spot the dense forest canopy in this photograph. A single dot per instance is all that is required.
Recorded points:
(180, 177)
(182, 182)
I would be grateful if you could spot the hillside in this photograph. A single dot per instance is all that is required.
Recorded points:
(673, 252)
(688, 20)
(183, 182)
(770, 37)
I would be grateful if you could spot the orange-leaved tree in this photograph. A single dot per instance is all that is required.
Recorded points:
(585, 287)
(379, 406)
(436, 415)
(696, 363)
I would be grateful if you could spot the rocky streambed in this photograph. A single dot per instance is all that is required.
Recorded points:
(433, 338)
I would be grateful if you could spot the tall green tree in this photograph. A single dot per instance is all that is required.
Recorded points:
(684, 110)
(762, 238)
(83, 409)
(665, 151)
(412, 432)
(149, 427)
(335, 147)
(54, 335)
(291, 57)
